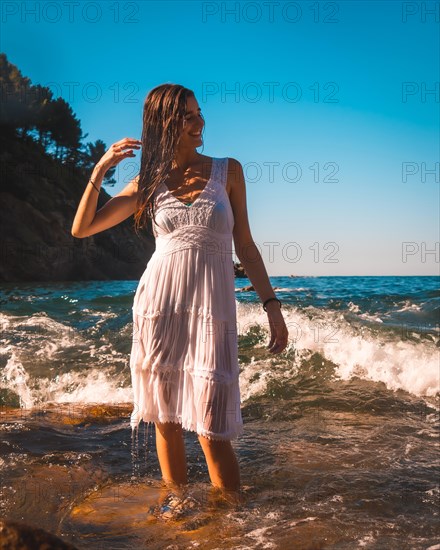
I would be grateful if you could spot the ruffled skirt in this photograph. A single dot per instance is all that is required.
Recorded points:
(184, 357)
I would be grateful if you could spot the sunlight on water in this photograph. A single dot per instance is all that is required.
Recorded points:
(341, 431)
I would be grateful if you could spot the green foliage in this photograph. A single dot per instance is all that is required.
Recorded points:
(30, 111)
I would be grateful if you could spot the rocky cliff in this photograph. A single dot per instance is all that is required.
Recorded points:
(39, 197)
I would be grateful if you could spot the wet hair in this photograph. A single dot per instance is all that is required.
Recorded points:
(163, 119)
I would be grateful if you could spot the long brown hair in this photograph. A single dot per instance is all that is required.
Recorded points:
(164, 111)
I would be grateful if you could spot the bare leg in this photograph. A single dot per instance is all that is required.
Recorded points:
(222, 464)
(171, 452)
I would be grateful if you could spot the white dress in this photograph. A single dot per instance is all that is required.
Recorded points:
(184, 356)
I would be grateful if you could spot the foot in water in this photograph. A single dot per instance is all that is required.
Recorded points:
(178, 504)
(175, 506)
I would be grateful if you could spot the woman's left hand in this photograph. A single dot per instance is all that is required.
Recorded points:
(278, 331)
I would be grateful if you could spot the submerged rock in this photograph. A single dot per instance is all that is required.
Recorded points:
(21, 536)
(247, 288)
(239, 270)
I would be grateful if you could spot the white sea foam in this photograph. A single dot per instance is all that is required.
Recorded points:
(399, 364)
(254, 379)
(15, 378)
(44, 342)
(94, 386)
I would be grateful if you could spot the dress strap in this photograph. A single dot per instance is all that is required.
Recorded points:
(223, 172)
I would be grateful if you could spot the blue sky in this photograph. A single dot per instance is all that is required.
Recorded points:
(347, 113)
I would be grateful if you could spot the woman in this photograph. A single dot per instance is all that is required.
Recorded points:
(184, 359)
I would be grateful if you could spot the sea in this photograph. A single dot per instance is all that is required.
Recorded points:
(340, 448)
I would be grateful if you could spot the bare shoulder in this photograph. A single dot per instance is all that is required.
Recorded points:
(235, 175)
(204, 158)
(236, 188)
(204, 166)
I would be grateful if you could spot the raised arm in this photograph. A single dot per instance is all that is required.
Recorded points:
(87, 220)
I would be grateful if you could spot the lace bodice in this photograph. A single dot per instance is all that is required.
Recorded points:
(207, 223)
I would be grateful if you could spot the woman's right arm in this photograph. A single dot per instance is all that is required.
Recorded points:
(87, 220)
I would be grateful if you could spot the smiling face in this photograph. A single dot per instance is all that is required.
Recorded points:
(193, 124)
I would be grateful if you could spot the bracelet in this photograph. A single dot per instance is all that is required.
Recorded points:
(268, 300)
(90, 181)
